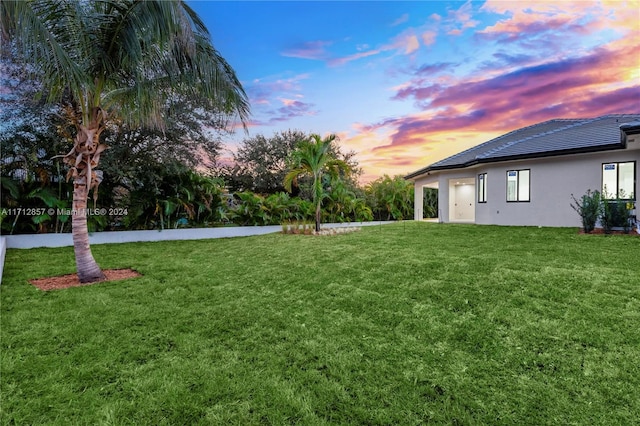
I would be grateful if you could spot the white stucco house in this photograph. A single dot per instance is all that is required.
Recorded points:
(527, 176)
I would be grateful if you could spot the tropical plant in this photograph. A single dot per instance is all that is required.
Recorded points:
(170, 196)
(343, 203)
(25, 206)
(391, 198)
(301, 210)
(250, 210)
(33, 184)
(117, 58)
(589, 207)
(312, 158)
(430, 202)
(279, 207)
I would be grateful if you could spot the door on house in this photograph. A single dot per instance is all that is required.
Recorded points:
(464, 201)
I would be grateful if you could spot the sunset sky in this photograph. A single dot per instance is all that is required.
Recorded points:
(405, 84)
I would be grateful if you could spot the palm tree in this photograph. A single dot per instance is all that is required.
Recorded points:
(313, 157)
(117, 59)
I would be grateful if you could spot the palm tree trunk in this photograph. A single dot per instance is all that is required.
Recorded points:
(318, 213)
(83, 159)
(88, 269)
(317, 195)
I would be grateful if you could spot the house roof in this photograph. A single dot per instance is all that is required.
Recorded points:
(631, 128)
(549, 138)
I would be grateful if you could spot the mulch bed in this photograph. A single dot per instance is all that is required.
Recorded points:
(71, 280)
(600, 231)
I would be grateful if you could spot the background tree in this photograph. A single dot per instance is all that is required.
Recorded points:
(191, 139)
(312, 157)
(125, 59)
(260, 163)
(28, 140)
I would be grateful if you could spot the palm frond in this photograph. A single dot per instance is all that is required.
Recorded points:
(292, 176)
(44, 33)
(166, 49)
(133, 56)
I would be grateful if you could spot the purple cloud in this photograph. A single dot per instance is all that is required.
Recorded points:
(314, 50)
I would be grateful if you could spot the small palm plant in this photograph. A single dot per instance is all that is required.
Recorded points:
(313, 157)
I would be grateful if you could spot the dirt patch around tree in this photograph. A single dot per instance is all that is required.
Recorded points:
(71, 280)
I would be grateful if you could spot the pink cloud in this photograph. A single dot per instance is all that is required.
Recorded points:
(345, 59)
(267, 92)
(262, 91)
(401, 20)
(291, 109)
(591, 85)
(408, 43)
(314, 50)
(523, 20)
(288, 102)
(553, 73)
(279, 85)
(431, 69)
(460, 19)
(429, 37)
(532, 26)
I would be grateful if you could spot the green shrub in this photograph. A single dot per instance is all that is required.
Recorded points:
(616, 213)
(607, 216)
(589, 207)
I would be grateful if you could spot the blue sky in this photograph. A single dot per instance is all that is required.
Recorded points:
(405, 84)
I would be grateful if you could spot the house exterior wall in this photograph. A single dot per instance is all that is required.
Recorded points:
(552, 181)
(441, 180)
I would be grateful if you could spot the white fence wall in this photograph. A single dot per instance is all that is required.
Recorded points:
(3, 250)
(64, 240)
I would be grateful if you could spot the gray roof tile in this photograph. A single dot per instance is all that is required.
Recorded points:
(553, 137)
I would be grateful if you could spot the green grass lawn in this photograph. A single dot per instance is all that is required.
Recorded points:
(399, 324)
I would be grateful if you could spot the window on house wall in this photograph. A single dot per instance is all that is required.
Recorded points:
(619, 180)
(482, 188)
(518, 185)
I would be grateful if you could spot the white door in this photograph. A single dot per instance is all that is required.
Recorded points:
(464, 209)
